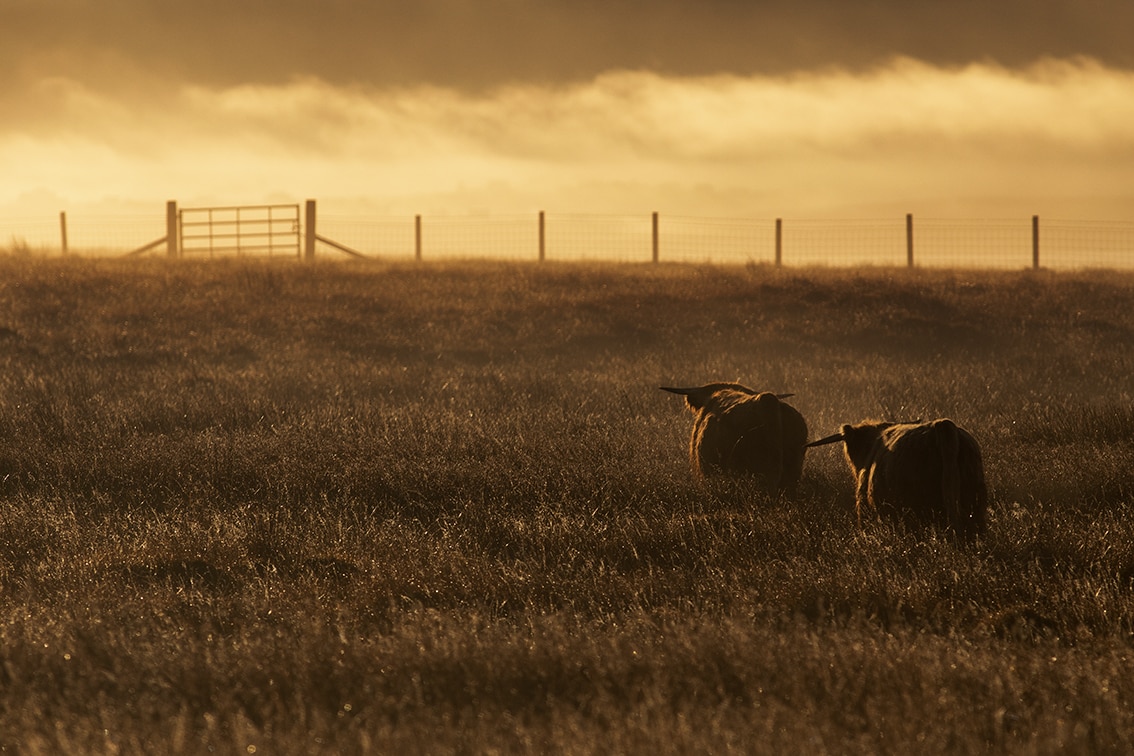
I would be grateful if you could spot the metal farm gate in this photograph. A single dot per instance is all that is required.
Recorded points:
(244, 230)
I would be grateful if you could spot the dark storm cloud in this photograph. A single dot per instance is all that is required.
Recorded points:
(483, 43)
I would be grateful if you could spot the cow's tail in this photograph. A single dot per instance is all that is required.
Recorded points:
(949, 447)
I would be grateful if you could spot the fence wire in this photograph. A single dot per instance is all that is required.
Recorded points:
(973, 244)
(936, 242)
(716, 240)
(102, 235)
(1081, 244)
(599, 237)
(848, 242)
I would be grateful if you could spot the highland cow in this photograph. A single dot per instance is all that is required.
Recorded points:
(740, 431)
(922, 474)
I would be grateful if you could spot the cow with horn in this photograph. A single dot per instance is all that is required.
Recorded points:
(923, 474)
(740, 431)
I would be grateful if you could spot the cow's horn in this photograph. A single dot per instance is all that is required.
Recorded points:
(828, 440)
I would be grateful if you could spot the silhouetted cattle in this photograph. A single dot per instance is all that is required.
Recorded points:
(740, 431)
(924, 474)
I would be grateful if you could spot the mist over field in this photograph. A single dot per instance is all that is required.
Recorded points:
(808, 110)
(906, 137)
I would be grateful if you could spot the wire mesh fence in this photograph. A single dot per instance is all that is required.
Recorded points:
(1081, 244)
(851, 242)
(93, 235)
(922, 242)
(716, 240)
(973, 243)
(599, 237)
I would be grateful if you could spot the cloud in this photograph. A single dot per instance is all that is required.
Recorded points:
(476, 46)
(1069, 104)
(807, 142)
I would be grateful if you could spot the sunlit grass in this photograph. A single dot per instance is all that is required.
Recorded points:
(445, 508)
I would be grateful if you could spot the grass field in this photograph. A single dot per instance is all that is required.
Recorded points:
(251, 507)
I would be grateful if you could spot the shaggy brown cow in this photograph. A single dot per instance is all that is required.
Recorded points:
(924, 474)
(738, 430)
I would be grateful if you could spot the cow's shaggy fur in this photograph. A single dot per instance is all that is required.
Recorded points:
(740, 431)
(923, 474)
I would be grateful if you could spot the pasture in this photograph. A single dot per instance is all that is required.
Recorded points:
(264, 507)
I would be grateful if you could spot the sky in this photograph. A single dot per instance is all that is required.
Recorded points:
(732, 108)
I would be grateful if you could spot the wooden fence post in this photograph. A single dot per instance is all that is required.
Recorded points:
(779, 242)
(63, 231)
(655, 224)
(909, 240)
(309, 231)
(542, 247)
(417, 238)
(172, 241)
(1035, 242)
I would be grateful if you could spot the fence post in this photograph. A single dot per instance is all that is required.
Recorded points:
(1035, 242)
(779, 242)
(542, 247)
(63, 231)
(655, 225)
(417, 237)
(309, 231)
(172, 240)
(909, 240)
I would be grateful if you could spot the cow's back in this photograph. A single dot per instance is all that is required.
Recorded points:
(931, 474)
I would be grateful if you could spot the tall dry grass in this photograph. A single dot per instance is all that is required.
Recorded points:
(396, 508)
